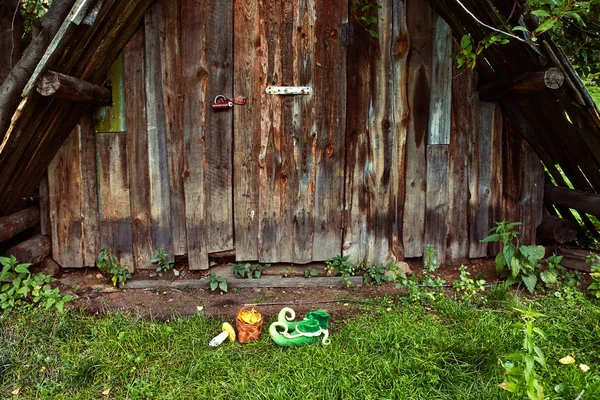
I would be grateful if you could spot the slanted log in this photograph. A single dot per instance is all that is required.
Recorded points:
(69, 88)
(32, 250)
(576, 199)
(554, 230)
(18, 222)
(551, 78)
(574, 258)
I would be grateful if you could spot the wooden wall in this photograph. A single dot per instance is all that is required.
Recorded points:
(391, 152)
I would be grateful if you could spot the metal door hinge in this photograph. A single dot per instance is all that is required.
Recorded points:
(347, 34)
(289, 90)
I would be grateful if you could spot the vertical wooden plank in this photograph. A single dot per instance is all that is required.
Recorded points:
(64, 182)
(303, 127)
(89, 191)
(218, 36)
(195, 103)
(463, 91)
(170, 52)
(276, 178)
(480, 178)
(330, 119)
(420, 27)
(248, 32)
(497, 181)
(160, 197)
(436, 209)
(113, 197)
(441, 84)
(377, 125)
(511, 185)
(532, 187)
(137, 152)
(45, 225)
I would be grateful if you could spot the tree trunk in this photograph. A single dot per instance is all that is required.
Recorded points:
(32, 250)
(11, 31)
(18, 222)
(42, 34)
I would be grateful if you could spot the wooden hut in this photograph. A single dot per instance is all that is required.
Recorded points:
(384, 149)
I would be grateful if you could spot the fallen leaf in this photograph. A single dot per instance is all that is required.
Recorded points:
(567, 360)
(199, 308)
(99, 276)
(106, 392)
(584, 367)
(16, 391)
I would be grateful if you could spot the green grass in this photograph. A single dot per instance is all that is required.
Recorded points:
(448, 351)
(595, 93)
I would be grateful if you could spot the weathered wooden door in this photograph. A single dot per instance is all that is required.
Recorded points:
(289, 150)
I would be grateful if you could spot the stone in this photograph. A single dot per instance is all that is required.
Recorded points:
(50, 267)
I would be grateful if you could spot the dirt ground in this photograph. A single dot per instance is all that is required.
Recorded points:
(95, 295)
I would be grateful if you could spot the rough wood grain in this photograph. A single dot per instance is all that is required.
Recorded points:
(441, 84)
(511, 186)
(463, 91)
(33, 250)
(436, 210)
(247, 76)
(64, 181)
(480, 177)
(172, 92)
(497, 177)
(195, 105)
(377, 129)
(532, 201)
(89, 191)
(330, 120)
(160, 197)
(68, 88)
(137, 151)
(18, 222)
(113, 197)
(45, 225)
(420, 27)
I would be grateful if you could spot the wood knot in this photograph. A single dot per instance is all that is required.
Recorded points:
(385, 124)
(329, 151)
(202, 73)
(332, 33)
(284, 178)
(401, 46)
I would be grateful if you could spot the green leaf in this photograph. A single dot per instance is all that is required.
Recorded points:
(520, 28)
(22, 268)
(515, 267)
(530, 282)
(214, 285)
(541, 13)
(223, 286)
(60, 306)
(509, 387)
(50, 302)
(465, 41)
(373, 33)
(548, 277)
(533, 253)
(492, 238)
(509, 253)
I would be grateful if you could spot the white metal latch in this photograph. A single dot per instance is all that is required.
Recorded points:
(289, 90)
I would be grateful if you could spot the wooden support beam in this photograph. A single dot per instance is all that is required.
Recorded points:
(551, 78)
(33, 250)
(576, 199)
(575, 258)
(69, 88)
(554, 230)
(18, 222)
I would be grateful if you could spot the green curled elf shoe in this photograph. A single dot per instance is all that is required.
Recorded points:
(287, 332)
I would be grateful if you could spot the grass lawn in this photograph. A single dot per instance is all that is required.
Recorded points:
(446, 350)
(595, 92)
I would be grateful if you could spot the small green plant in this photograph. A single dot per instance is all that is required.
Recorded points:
(310, 272)
(519, 369)
(287, 272)
(22, 289)
(362, 11)
(341, 266)
(375, 274)
(467, 286)
(248, 270)
(108, 265)
(466, 56)
(162, 259)
(594, 260)
(216, 281)
(424, 288)
(516, 262)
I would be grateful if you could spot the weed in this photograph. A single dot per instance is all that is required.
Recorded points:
(22, 289)
(341, 267)
(162, 259)
(375, 274)
(248, 270)
(217, 282)
(427, 287)
(521, 375)
(108, 265)
(467, 286)
(362, 12)
(594, 260)
(287, 272)
(516, 262)
(310, 272)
